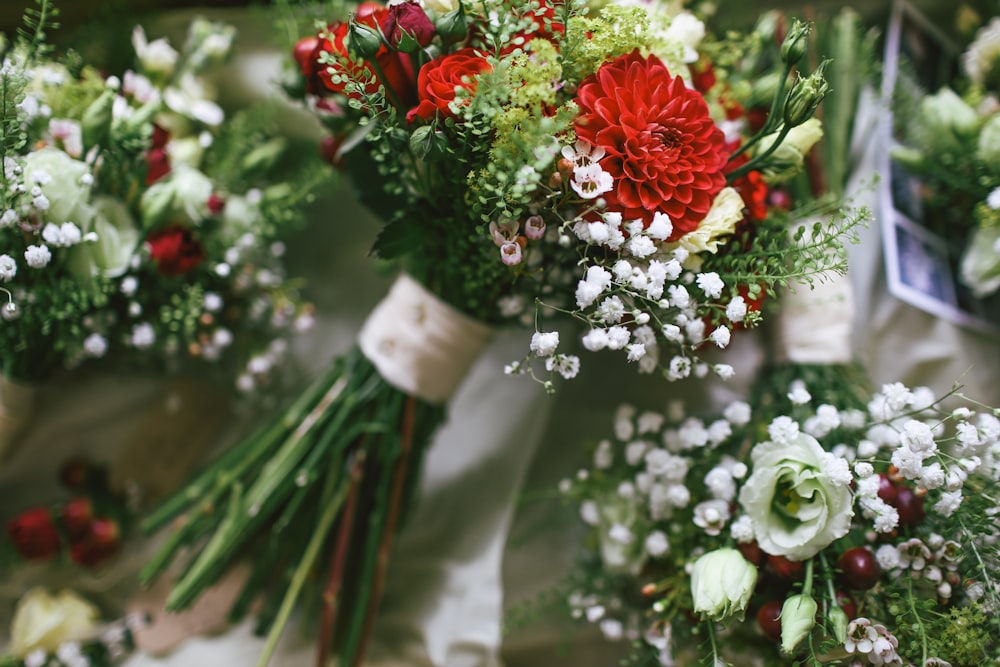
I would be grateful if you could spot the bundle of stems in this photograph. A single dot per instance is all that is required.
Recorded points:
(315, 496)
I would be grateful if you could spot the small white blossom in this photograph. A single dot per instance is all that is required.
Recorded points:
(711, 516)
(591, 181)
(679, 368)
(657, 544)
(672, 333)
(918, 437)
(783, 429)
(618, 338)
(798, 394)
(8, 267)
(567, 365)
(721, 337)
(661, 227)
(710, 284)
(679, 296)
(143, 335)
(37, 256)
(737, 413)
(948, 503)
(611, 310)
(544, 344)
(724, 371)
(736, 310)
(595, 339)
(741, 530)
(95, 345)
(641, 246)
(635, 351)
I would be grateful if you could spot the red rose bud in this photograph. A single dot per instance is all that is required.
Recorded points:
(407, 27)
(174, 250)
(160, 137)
(77, 515)
(304, 52)
(157, 165)
(216, 204)
(34, 534)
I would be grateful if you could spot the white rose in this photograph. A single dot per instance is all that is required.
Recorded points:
(44, 621)
(795, 508)
(181, 197)
(980, 267)
(61, 180)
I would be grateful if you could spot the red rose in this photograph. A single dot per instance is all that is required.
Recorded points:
(175, 250)
(407, 27)
(34, 534)
(157, 165)
(396, 67)
(439, 78)
(663, 149)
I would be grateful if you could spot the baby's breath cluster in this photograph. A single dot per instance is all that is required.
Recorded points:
(837, 528)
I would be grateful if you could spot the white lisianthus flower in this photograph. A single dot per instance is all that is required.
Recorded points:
(688, 31)
(722, 582)
(788, 158)
(157, 57)
(60, 178)
(45, 621)
(796, 509)
(182, 196)
(982, 55)
(116, 244)
(980, 265)
(726, 211)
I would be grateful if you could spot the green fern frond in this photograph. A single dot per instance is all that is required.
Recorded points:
(37, 22)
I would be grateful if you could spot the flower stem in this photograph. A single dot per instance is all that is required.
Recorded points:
(340, 551)
(301, 574)
(400, 475)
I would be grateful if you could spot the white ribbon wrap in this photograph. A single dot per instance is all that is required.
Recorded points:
(16, 403)
(815, 324)
(420, 344)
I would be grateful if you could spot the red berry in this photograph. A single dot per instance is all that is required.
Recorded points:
(789, 570)
(887, 491)
(76, 516)
(34, 534)
(767, 619)
(105, 532)
(859, 569)
(910, 506)
(847, 604)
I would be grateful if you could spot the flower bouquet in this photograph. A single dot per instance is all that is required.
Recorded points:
(528, 159)
(136, 229)
(951, 141)
(846, 532)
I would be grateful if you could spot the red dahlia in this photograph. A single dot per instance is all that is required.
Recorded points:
(662, 147)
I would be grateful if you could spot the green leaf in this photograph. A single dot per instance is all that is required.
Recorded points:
(397, 239)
